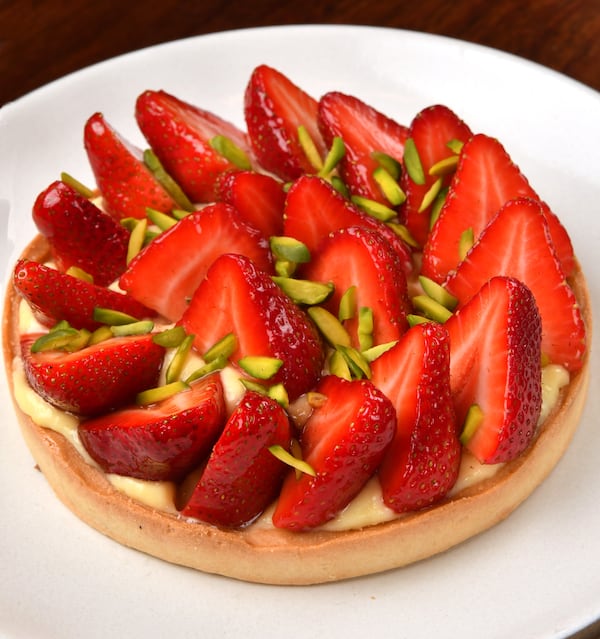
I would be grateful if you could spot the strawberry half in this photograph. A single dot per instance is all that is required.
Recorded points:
(431, 130)
(164, 441)
(55, 296)
(365, 131)
(165, 274)
(94, 379)
(72, 224)
(259, 199)
(485, 179)
(362, 258)
(495, 363)
(343, 441)
(517, 243)
(238, 297)
(180, 134)
(422, 463)
(313, 209)
(274, 108)
(125, 182)
(241, 477)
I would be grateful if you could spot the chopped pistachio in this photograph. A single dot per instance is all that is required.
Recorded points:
(133, 328)
(438, 292)
(347, 307)
(81, 340)
(170, 338)
(225, 348)
(80, 274)
(357, 364)
(112, 317)
(330, 326)
(455, 145)
(289, 248)
(67, 178)
(215, 364)
(230, 151)
(162, 220)
(279, 393)
(136, 239)
(374, 209)
(287, 458)
(389, 187)
(365, 328)
(390, 164)
(430, 195)
(338, 365)
(338, 184)
(285, 268)
(334, 155)
(465, 243)
(175, 367)
(57, 339)
(101, 334)
(160, 393)
(473, 420)
(166, 181)
(432, 309)
(403, 233)
(414, 320)
(304, 291)
(179, 214)
(260, 366)
(412, 162)
(310, 148)
(371, 354)
(445, 166)
(436, 207)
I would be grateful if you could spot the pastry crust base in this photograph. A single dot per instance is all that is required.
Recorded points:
(273, 556)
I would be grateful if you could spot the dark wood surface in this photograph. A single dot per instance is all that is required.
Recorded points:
(42, 40)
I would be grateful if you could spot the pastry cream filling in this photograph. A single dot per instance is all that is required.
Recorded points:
(366, 509)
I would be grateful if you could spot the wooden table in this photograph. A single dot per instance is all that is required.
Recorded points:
(44, 40)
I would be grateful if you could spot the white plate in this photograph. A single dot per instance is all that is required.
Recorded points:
(535, 575)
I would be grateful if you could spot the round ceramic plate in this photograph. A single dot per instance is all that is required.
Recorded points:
(535, 575)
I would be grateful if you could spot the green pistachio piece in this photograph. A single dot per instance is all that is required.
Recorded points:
(230, 151)
(80, 274)
(432, 309)
(260, 366)
(80, 341)
(224, 348)
(389, 187)
(160, 393)
(134, 328)
(179, 214)
(402, 232)
(445, 166)
(334, 155)
(436, 207)
(304, 291)
(287, 458)
(357, 364)
(329, 325)
(57, 339)
(136, 239)
(430, 195)
(101, 334)
(215, 364)
(455, 145)
(289, 248)
(365, 328)
(438, 293)
(285, 268)
(412, 162)
(67, 178)
(473, 420)
(170, 338)
(338, 365)
(374, 209)
(414, 320)
(166, 181)
(160, 219)
(465, 243)
(250, 384)
(390, 164)
(371, 354)
(112, 317)
(279, 393)
(338, 184)
(347, 307)
(310, 148)
(175, 367)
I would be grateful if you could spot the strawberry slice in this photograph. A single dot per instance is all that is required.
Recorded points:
(95, 379)
(362, 258)
(495, 363)
(165, 274)
(517, 243)
(274, 108)
(238, 297)
(241, 477)
(163, 441)
(55, 296)
(365, 131)
(431, 130)
(485, 179)
(72, 224)
(180, 134)
(125, 182)
(422, 463)
(313, 209)
(259, 199)
(344, 441)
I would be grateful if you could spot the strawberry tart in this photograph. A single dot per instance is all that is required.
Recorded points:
(325, 346)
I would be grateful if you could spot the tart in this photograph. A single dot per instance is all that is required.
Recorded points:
(326, 368)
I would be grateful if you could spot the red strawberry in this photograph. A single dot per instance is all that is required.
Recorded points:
(72, 224)
(274, 108)
(241, 477)
(180, 134)
(495, 362)
(237, 297)
(259, 199)
(166, 273)
(125, 182)
(94, 379)
(313, 209)
(364, 131)
(517, 243)
(431, 130)
(55, 296)
(344, 441)
(485, 179)
(362, 258)
(163, 441)
(422, 464)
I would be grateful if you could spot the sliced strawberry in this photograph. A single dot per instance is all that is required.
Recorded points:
(362, 258)
(238, 297)
(365, 131)
(125, 182)
(431, 130)
(72, 224)
(485, 179)
(274, 108)
(343, 441)
(259, 199)
(165, 274)
(94, 379)
(313, 209)
(422, 464)
(55, 296)
(163, 441)
(180, 134)
(495, 363)
(517, 243)
(241, 477)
